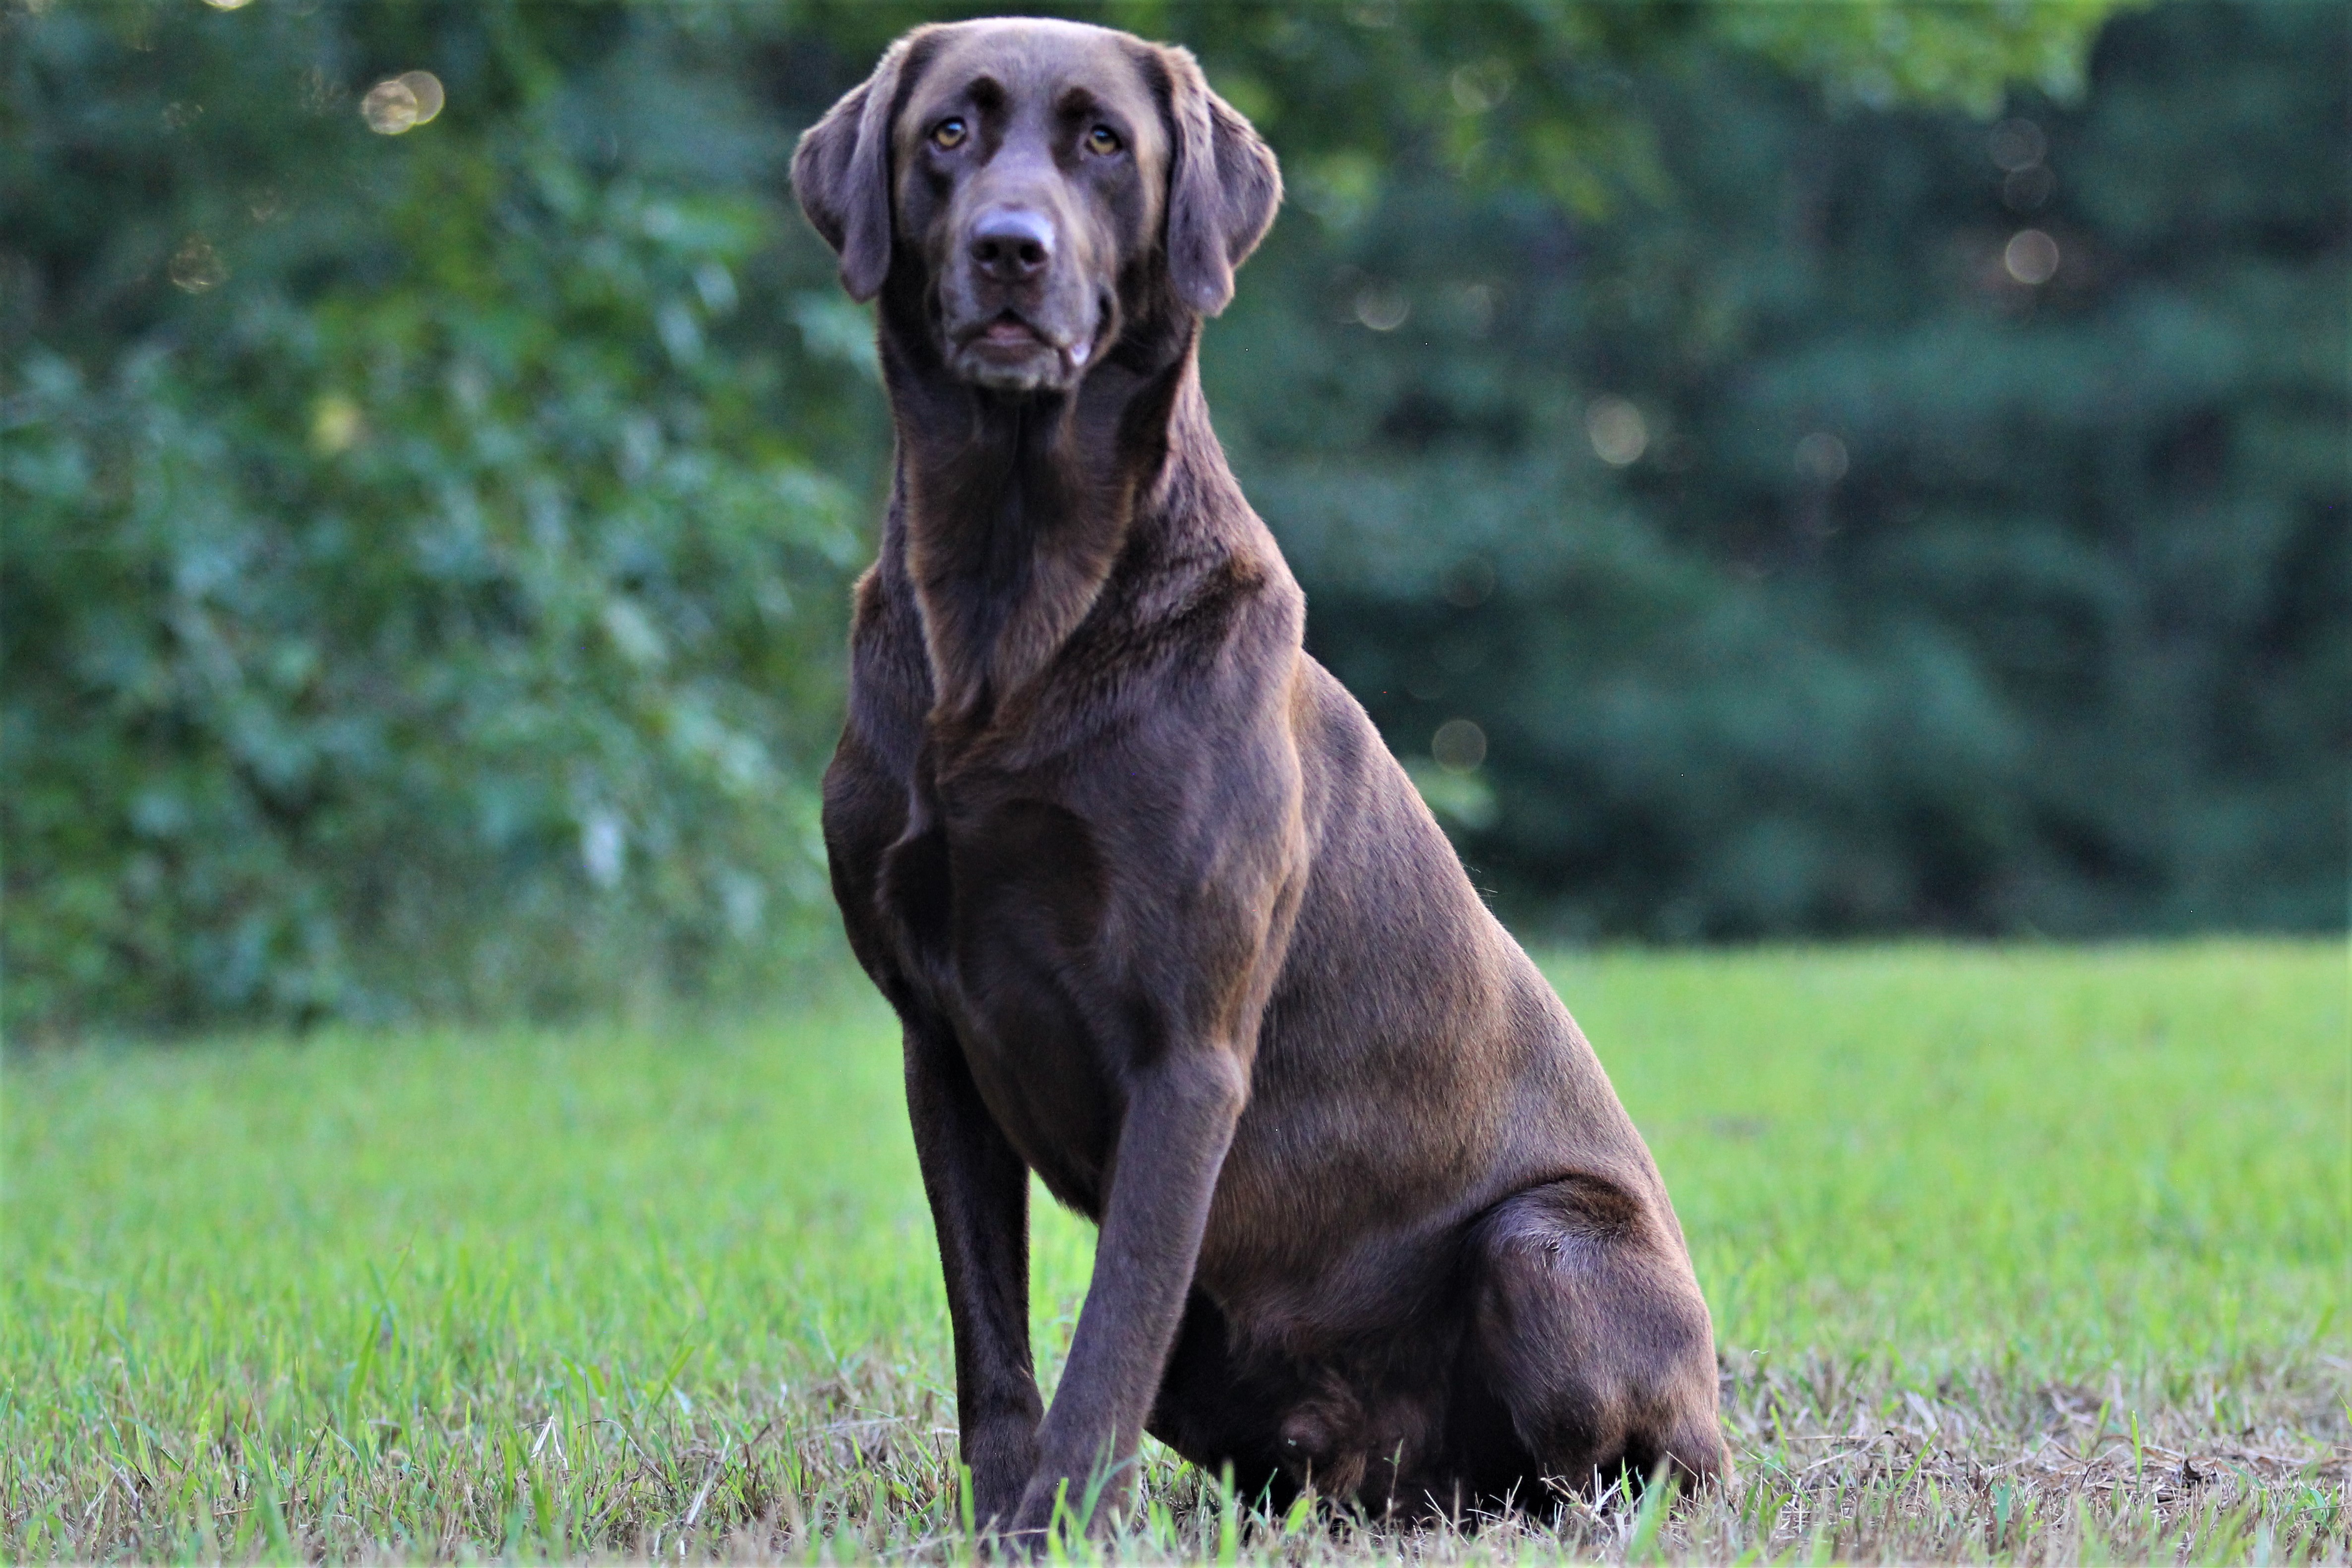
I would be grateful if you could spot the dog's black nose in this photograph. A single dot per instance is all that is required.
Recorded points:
(1011, 243)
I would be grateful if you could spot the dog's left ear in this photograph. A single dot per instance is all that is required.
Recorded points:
(841, 172)
(1222, 190)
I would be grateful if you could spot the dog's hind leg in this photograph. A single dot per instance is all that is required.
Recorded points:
(1216, 1415)
(1588, 1327)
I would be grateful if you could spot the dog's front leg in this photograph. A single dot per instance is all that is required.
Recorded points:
(979, 1193)
(1171, 1143)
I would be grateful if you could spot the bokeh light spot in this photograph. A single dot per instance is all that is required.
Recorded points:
(1382, 307)
(1458, 746)
(334, 425)
(2018, 144)
(1821, 457)
(389, 108)
(228, 5)
(425, 87)
(1479, 88)
(2026, 189)
(2031, 257)
(197, 266)
(1617, 430)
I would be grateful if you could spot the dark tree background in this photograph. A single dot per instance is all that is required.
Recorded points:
(1769, 470)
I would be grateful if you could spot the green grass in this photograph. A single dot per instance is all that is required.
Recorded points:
(2035, 1253)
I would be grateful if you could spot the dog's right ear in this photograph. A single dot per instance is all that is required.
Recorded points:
(841, 172)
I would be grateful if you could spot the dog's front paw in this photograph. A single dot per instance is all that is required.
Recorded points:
(1002, 1457)
(1048, 1500)
(1013, 1546)
(1035, 1516)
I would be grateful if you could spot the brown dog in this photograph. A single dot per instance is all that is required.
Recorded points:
(1164, 922)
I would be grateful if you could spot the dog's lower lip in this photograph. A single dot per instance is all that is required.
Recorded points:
(1008, 333)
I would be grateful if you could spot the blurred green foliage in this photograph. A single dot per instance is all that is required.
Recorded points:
(425, 554)
(423, 582)
(1807, 567)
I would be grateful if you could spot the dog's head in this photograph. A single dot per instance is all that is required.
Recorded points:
(1046, 183)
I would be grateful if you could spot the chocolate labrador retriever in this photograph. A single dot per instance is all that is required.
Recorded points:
(1163, 920)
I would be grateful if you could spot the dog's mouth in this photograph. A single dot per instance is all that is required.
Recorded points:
(1011, 353)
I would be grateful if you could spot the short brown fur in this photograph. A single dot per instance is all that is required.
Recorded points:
(1164, 922)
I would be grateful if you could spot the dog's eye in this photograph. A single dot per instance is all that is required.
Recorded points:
(948, 134)
(1102, 140)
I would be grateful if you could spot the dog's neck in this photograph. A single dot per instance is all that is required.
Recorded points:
(1015, 507)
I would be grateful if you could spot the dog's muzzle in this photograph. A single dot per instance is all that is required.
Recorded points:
(1017, 312)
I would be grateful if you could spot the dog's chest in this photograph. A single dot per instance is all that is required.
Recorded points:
(997, 900)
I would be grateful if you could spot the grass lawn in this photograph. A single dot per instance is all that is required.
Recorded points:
(2029, 1253)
